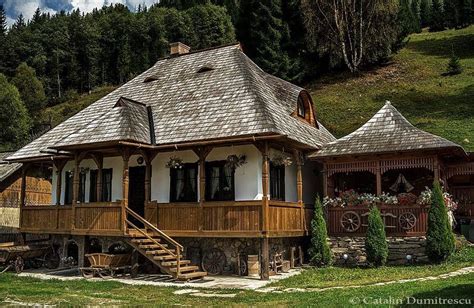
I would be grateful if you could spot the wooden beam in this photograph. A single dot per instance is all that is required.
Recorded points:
(378, 179)
(436, 169)
(265, 259)
(148, 156)
(202, 153)
(265, 251)
(325, 180)
(299, 185)
(59, 164)
(126, 153)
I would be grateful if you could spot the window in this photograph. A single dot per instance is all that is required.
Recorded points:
(68, 189)
(219, 182)
(93, 186)
(277, 182)
(184, 184)
(82, 187)
(106, 185)
(301, 108)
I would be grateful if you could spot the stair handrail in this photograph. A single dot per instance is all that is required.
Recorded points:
(155, 229)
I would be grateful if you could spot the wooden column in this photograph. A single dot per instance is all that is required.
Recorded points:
(202, 153)
(436, 169)
(59, 164)
(299, 186)
(148, 157)
(23, 192)
(325, 181)
(75, 182)
(378, 179)
(125, 181)
(264, 244)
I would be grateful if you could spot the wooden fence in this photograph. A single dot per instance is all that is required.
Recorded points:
(38, 191)
(399, 220)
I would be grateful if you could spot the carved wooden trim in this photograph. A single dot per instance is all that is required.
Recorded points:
(461, 169)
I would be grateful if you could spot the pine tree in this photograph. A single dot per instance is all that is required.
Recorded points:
(440, 242)
(319, 252)
(466, 16)
(454, 65)
(416, 10)
(437, 22)
(376, 245)
(30, 88)
(3, 22)
(425, 13)
(14, 120)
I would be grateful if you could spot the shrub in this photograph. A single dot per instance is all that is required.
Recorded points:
(439, 236)
(454, 66)
(319, 252)
(376, 245)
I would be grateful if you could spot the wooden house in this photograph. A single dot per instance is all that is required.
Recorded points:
(37, 191)
(197, 161)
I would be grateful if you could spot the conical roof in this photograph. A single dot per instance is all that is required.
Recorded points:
(387, 131)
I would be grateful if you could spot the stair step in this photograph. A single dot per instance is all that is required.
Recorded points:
(184, 269)
(164, 258)
(173, 263)
(145, 241)
(159, 252)
(193, 275)
(151, 246)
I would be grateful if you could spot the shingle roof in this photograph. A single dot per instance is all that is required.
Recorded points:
(387, 131)
(233, 98)
(6, 168)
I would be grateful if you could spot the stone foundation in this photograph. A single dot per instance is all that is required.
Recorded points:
(235, 248)
(398, 247)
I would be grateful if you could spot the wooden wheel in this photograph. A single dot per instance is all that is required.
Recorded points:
(213, 261)
(19, 264)
(87, 273)
(243, 266)
(350, 221)
(407, 220)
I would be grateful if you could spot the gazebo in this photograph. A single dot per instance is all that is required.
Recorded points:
(386, 156)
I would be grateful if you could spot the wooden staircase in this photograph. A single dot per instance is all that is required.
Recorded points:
(160, 249)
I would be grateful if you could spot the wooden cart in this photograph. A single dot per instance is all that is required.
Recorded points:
(15, 256)
(108, 265)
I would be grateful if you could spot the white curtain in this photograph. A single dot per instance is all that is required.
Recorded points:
(192, 179)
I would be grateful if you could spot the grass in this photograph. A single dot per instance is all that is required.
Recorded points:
(80, 292)
(339, 276)
(69, 293)
(414, 83)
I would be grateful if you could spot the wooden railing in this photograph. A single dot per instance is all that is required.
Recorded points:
(285, 216)
(46, 218)
(464, 195)
(399, 220)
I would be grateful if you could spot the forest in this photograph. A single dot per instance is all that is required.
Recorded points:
(46, 60)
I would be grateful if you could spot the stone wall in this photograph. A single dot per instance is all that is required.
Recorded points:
(196, 248)
(399, 248)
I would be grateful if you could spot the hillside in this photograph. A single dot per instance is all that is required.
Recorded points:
(413, 82)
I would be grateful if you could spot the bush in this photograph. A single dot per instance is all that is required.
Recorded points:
(440, 242)
(319, 252)
(376, 245)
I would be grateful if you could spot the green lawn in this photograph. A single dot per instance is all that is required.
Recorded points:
(413, 82)
(339, 276)
(28, 290)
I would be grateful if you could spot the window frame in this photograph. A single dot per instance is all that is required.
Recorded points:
(301, 108)
(187, 181)
(220, 194)
(277, 190)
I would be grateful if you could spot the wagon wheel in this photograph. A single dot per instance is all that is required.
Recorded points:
(106, 273)
(51, 259)
(19, 264)
(350, 221)
(407, 221)
(87, 273)
(213, 261)
(243, 266)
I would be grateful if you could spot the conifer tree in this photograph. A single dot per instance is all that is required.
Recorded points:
(440, 242)
(376, 245)
(437, 22)
(319, 252)
(425, 13)
(454, 65)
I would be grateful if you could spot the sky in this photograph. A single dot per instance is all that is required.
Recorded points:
(13, 8)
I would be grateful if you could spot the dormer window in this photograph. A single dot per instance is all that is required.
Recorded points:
(301, 108)
(205, 69)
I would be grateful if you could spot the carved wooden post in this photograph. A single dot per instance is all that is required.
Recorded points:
(75, 182)
(264, 244)
(325, 180)
(378, 179)
(202, 153)
(148, 157)
(436, 169)
(23, 193)
(59, 164)
(299, 186)
(125, 180)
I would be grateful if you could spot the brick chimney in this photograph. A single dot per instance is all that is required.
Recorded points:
(178, 48)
